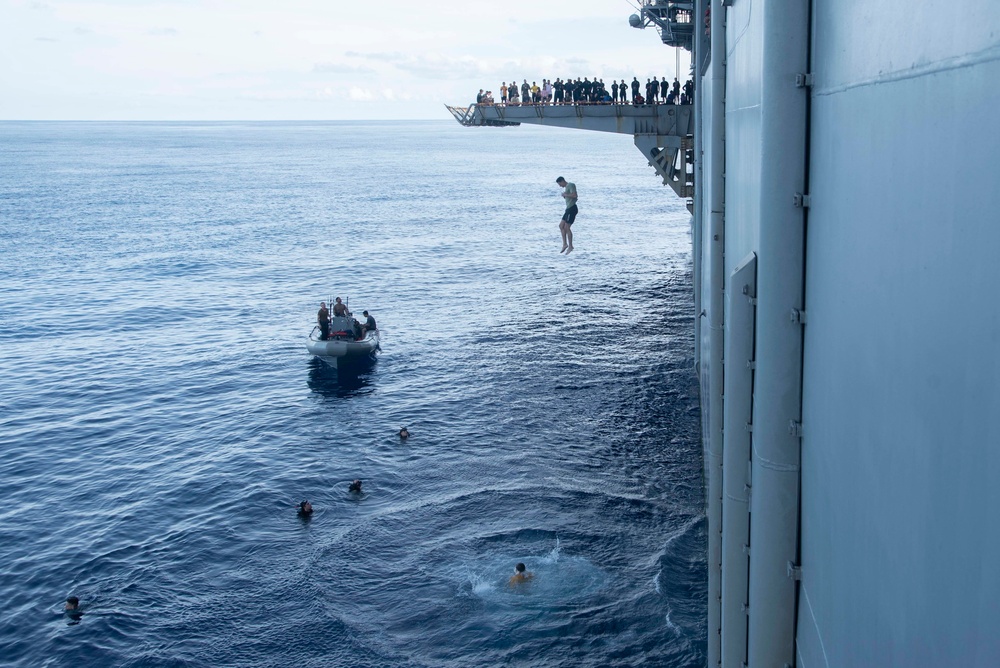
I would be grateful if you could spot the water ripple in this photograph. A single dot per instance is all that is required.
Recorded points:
(160, 418)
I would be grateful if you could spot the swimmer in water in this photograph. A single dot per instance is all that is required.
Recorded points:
(520, 576)
(305, 509)
(404, 433)
(355, 487)
(72, 605)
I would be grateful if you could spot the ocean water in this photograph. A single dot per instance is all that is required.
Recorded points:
(160, 417)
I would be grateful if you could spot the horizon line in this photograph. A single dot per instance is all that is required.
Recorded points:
(218, 120)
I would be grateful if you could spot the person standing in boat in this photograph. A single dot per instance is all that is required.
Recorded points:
(323, 318)
(339, 309)
(566, 224)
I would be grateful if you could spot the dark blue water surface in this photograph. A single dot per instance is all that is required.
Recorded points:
(160, 416)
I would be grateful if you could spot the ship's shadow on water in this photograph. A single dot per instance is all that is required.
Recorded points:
(348, 380)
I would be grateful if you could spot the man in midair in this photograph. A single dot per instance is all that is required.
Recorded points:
(566, 224)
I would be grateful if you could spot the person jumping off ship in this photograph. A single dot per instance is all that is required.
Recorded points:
(566, 224)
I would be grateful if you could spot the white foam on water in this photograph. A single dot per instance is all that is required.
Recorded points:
(557, 579)
(670, 624)
(481, 586)
(553, 556)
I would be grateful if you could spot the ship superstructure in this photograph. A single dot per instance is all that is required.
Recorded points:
(839, 160)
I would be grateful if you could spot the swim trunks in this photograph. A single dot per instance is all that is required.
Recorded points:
(570, 214)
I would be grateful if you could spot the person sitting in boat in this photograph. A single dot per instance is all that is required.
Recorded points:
(323, 318)
(369, 325)
(339, 309)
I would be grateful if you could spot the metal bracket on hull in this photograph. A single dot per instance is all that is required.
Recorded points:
(673, 164)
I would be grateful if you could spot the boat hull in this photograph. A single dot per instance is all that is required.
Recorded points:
(336, 351)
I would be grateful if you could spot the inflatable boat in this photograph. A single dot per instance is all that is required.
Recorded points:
(345, 343)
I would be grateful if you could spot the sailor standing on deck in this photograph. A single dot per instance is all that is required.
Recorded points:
(566, 224)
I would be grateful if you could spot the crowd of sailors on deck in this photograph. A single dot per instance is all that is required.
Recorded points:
(587, 91)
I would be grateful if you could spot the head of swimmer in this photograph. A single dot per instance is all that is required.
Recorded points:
(519, 568)
(72, 604)
(355, 486)
(305, 508)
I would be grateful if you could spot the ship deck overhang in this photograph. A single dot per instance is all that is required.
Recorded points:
(663, 132)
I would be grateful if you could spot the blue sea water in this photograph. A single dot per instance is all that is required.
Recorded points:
(160, 417)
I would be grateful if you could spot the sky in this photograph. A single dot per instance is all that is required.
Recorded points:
(302, 59)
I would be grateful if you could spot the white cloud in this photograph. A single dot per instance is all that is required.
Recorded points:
(361, 94)
(342, 68)
(310, 58)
